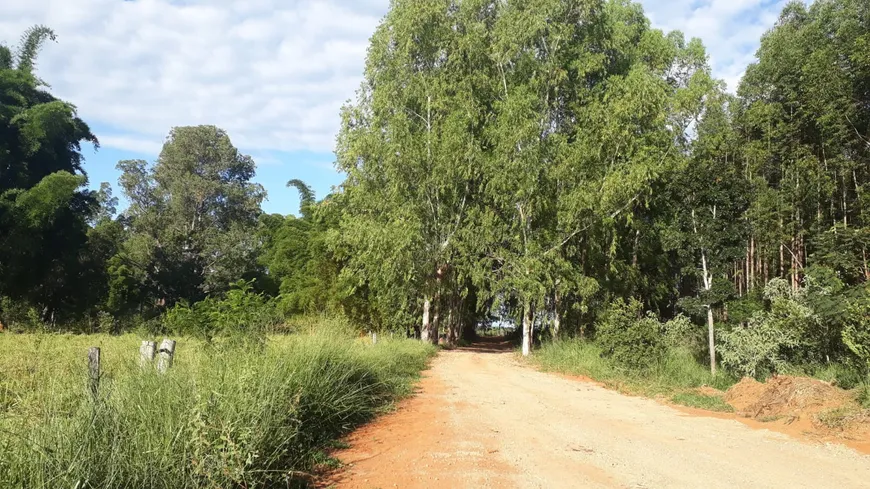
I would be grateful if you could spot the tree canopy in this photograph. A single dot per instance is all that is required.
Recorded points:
(558, 165)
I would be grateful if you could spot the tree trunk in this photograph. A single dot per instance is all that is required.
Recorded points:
(527, 331)
(781, 252)
(711, 340)
(634, 253)
(433, 334)
(451, 328)
(426, 329)
(557, 320)
(752, 263)
(746, 266)
(863, 253)
(708, 284)
(794, 281)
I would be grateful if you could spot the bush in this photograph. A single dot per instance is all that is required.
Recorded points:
(764, 346)
(856, 332)
(628, 338)
(241, 315)
(679, 332)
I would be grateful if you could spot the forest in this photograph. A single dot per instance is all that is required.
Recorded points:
(560, 166)
(547, 165)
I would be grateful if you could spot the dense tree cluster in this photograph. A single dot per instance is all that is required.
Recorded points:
(552, 163)
(549, 158)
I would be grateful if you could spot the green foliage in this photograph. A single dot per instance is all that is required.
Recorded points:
(702, 401)
(628, 337)
(756, 350)
(192, 217)
(252, 418)
(763, 347)
(43, 209)
(242, 315)
(673, 373)
(678, 332)
(503, 160)
(856, 332)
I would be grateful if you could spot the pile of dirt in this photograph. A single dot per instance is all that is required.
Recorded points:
(786, 397)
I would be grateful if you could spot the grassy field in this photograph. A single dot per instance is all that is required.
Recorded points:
(675, 377)
(233, 416)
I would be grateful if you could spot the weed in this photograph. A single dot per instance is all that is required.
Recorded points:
(769, 419)
(842, 417)
(702, 401)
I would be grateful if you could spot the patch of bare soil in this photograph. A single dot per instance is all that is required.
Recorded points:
(420, 446)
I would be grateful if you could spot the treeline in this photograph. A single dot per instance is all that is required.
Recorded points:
(548, 160)
(194, 228)
(537, 161)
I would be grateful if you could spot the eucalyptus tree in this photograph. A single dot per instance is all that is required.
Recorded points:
(593, 106)
(409, 145)
(806, 127)
(704, 204)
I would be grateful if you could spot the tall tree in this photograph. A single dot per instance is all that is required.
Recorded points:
(409, 146)
(193, 216)
(44, 208)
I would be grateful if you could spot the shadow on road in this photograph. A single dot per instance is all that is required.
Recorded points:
(485, 344)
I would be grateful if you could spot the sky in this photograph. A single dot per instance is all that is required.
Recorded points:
(273, 73)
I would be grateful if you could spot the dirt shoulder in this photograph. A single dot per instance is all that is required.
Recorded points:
(482, 420)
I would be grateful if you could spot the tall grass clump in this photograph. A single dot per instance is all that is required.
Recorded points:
(676, 370)
(635, 352)
(223, 416)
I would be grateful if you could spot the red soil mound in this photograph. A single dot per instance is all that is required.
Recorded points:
(785, 396)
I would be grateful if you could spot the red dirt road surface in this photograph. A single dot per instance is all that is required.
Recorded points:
(480, 419)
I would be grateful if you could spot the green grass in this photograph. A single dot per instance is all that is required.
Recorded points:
(841, 417)
(674, 374)
(232, 417)
(702, 401)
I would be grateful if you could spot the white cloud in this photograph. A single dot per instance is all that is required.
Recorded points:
(730, 29)
(134, 144)
(273, 73)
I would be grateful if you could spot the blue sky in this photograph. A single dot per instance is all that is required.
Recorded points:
(273, 73)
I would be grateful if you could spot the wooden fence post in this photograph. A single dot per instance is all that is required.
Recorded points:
(374, 338)
(94, 371)
(146, 353)
(165, 355)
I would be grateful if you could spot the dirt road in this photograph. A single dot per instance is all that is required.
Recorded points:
(483, 420)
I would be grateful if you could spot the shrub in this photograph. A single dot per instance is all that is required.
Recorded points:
(241, 315)
(672, 374)
(679, 332)
(856, 332)
(763, 346)
(627, 337)
(756, 349)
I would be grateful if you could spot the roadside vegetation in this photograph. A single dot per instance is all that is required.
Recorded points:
(223, 416)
